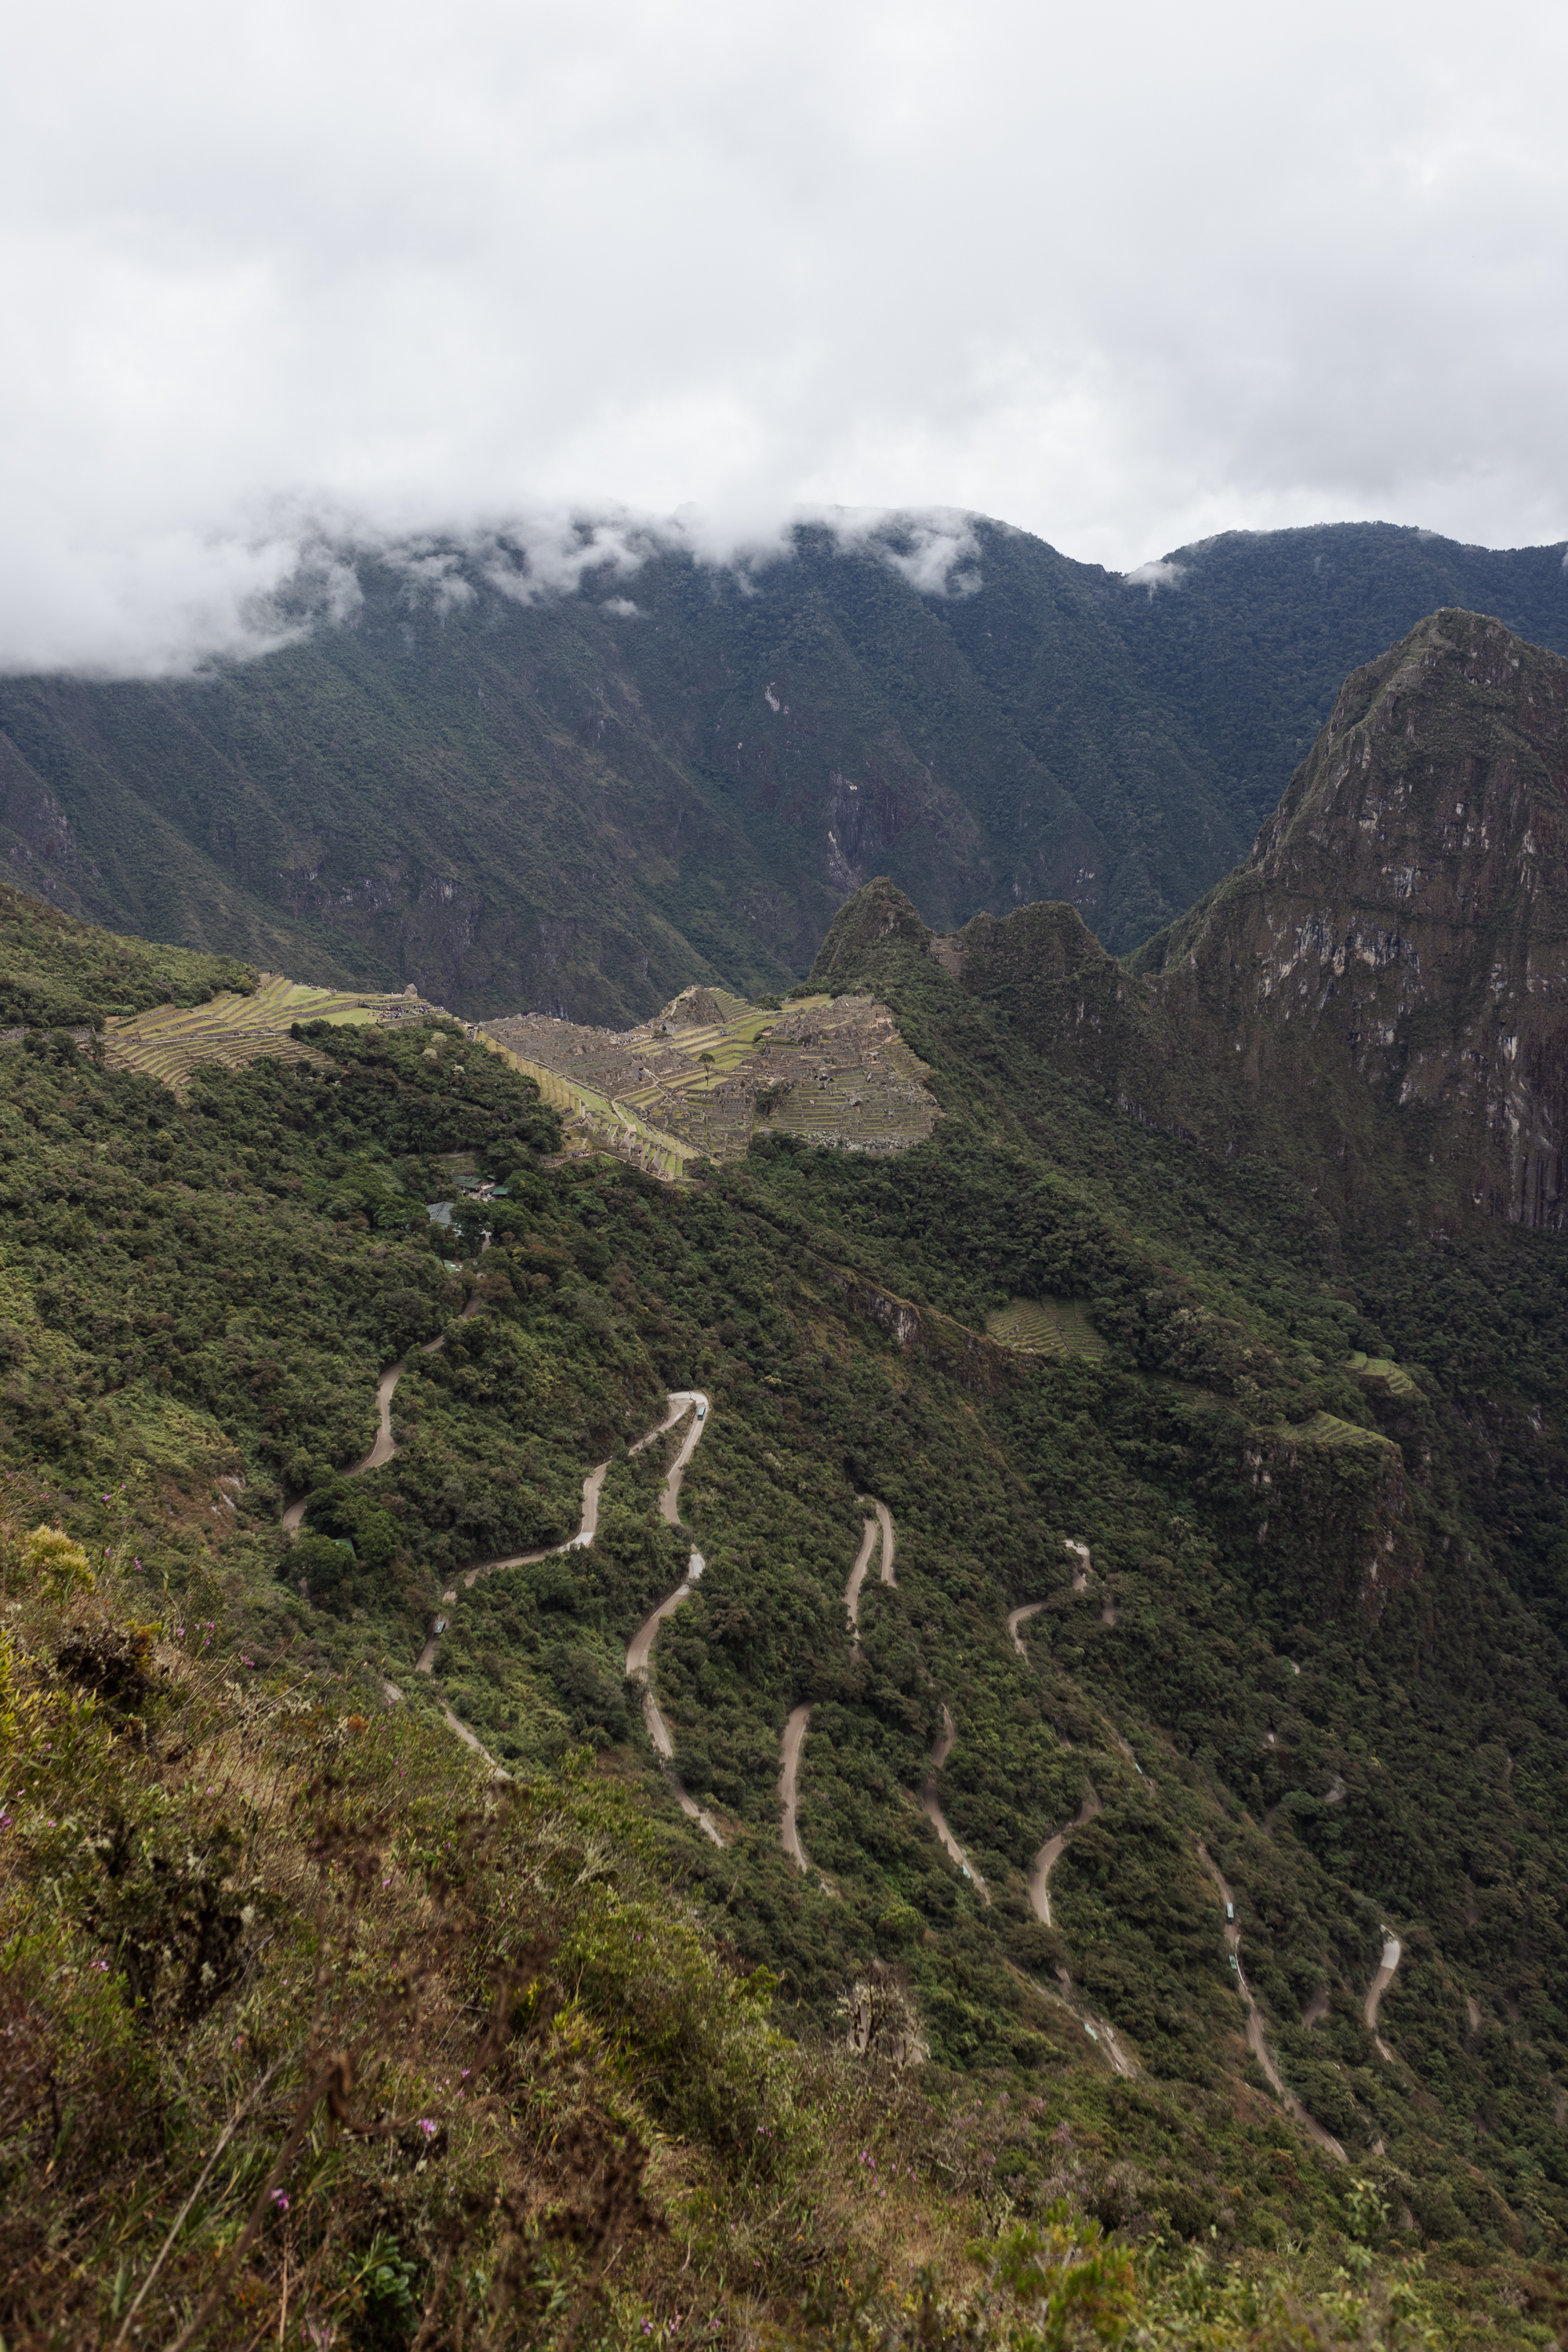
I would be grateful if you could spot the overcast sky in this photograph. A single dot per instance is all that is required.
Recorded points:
(1125, 275)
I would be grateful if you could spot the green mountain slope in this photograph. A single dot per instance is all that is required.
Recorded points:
(1265, 624)
(559, 805)
(1247, 1587)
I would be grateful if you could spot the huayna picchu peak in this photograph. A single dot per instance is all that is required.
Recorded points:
(1378, 995)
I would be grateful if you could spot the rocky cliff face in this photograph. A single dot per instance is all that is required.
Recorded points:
(1403, 914)
(1382, 988)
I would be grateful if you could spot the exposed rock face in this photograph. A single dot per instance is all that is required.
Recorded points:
(1385, 978)
(1334, 1531)
(1405, 912)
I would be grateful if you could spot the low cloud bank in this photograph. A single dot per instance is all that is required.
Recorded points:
(1161, 573)
(167, 607)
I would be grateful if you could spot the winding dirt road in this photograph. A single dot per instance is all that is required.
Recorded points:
(385, 1444)
(934, 1814)
(1378, 1986)
(681, 1401)
(592, 1485)
(1018, 1618)
(1254, 2036)
(858, 1578)
(1099, 2029)
(639, 1649)
(1050, 1854)
(877, 1530)
(1021, 1617)
(799, 1721)
(880, 1527)
(789, 1768)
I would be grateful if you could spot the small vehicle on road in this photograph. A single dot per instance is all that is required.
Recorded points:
(439, 1626)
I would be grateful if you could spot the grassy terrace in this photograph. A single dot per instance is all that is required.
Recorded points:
(1046, 1327)
(172, 1042)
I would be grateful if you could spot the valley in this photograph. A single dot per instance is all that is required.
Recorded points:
(582, 804)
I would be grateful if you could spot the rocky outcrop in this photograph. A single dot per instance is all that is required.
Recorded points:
(1403, 918)
(1333, 1526)
(972, 1362)
(1382, 989)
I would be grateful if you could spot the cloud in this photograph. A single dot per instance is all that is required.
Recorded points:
(277, 277)
(936, 553)
(1160, 573)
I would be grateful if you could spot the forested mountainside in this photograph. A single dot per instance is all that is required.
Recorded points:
(580, 803)
(1028, 1665)
(1377, 998)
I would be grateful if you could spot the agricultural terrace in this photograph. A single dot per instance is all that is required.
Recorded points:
(172, 1042)
(1046, 1327)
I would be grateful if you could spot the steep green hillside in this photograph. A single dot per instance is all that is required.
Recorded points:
(59, 973)
(1252, 644)
(569, 806)
(1251, 1595)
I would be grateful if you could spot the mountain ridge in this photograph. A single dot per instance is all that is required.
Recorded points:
(569, 806)
(1381, 985)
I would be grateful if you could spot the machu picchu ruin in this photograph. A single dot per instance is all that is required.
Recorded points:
(699, 1078)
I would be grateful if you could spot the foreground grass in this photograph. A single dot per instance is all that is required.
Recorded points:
(315, 2036)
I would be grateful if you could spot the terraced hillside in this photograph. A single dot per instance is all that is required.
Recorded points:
(172, 1042)
(1046, 1327)
(698, 1080)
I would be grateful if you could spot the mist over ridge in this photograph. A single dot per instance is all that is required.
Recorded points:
(190, 599)
(574, 769)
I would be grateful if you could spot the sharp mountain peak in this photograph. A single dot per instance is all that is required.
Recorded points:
(1382, 984)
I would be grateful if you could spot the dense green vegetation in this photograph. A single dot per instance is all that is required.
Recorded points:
(59, 973)
(199, 1297)
(553, 805)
